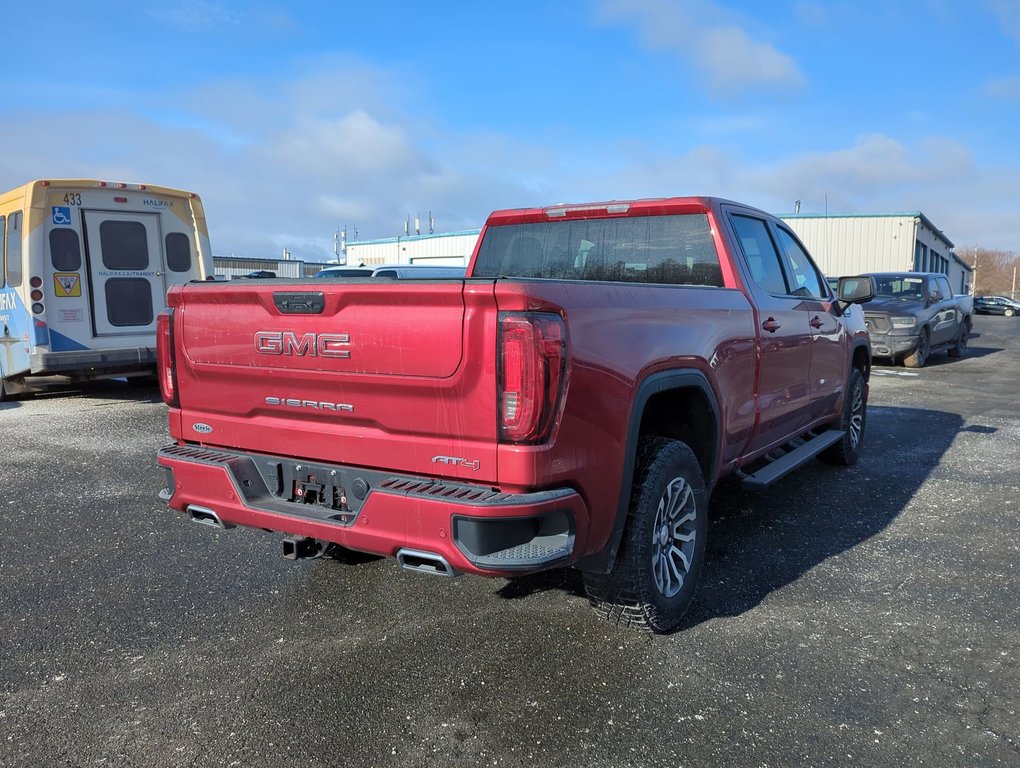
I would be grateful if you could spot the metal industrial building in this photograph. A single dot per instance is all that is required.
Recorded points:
(440, 249)
(847, 244)
(235, 266)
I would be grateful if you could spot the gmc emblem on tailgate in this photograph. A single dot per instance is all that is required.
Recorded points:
(310, 344)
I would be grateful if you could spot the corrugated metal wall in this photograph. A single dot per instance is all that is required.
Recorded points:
(452, 249)
(845, 245)
(230, 266)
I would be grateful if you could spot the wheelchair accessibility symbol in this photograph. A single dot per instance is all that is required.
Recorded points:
(61, 214)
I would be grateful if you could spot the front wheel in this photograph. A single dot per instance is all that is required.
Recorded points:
(1009, 312)
(919, 356)
(852, 422)
(659, 563)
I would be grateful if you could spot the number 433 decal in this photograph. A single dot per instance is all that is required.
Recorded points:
(72, 198)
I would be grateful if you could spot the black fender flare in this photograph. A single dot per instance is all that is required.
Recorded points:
(663, 381)
(866, 346)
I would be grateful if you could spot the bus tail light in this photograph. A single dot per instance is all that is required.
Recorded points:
(165, 357)
(35, 282)
(531, 376)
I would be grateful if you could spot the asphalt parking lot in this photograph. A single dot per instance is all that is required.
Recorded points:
(864, 617)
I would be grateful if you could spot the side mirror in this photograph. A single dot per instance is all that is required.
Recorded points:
(855, 290)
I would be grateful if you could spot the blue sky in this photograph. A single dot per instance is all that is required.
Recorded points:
(291, 120)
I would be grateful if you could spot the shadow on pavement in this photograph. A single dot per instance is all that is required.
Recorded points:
(760, 542)
(107, 389)
(941, 358)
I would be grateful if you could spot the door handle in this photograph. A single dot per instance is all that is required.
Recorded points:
(815, 322)
(771, 325)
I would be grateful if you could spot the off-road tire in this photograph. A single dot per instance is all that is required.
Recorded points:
(629, 595)
(919, 356)
(852, 421)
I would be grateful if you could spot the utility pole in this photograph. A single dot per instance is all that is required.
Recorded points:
(973, 289)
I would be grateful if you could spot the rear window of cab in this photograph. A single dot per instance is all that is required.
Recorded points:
(669, 249)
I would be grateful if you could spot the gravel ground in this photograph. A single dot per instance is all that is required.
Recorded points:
(847, 617)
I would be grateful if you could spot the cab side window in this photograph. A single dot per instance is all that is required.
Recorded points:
(805, 279)
(947, 292)
(760, 253)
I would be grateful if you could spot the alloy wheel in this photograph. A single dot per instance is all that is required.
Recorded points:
(673, 537)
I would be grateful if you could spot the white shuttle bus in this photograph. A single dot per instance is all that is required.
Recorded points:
(84, 270)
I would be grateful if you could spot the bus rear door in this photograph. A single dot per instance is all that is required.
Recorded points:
(126, 272)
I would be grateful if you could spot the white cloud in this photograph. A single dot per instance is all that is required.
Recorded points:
(353, 143)
(284, 163)
(1005, 88)
(811, 13)
(876, 173)
(705, 35)
(196, 14)
(279, 168)
(1008, 14)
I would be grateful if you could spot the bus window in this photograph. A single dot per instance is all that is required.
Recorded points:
(65, 252)
(128, 301)
(178, 252)
(124, 245)
(3, 254)
(14, 250)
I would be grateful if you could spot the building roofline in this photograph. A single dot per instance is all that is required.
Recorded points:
(414, 238)
(961, 262)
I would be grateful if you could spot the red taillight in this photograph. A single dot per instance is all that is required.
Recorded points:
(165, 357)
(532, 371)
(35, 282)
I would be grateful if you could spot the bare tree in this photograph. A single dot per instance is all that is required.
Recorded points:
(995, 271)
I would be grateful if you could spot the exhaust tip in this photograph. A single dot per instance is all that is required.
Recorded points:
(424, 562)
(206, 516)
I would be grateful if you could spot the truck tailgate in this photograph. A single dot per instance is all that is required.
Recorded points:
(363, 373)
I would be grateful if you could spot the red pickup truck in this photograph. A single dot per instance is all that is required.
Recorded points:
(572, 401)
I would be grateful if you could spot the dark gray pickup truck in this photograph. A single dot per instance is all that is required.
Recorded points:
(914, 314)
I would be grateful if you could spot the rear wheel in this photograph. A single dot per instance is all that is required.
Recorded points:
(919, 356)
(855, 415)
(659, 563)
(1009, 312)
(959, 349)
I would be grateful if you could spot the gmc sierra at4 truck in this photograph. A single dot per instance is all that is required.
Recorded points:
(572, 401)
